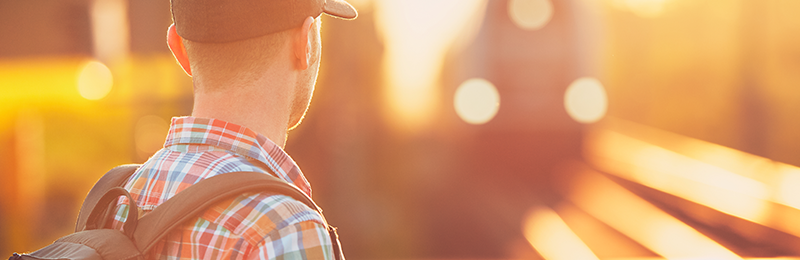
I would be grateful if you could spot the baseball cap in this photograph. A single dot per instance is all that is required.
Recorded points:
(218, 21)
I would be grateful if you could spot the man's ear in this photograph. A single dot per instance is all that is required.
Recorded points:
(302, 44)
(175, 43)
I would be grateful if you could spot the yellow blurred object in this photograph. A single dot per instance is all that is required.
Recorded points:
(56, 139)
(38, 82)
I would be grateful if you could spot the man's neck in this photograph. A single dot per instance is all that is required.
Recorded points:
(262, 106)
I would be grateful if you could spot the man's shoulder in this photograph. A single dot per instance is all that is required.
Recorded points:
(255, 216)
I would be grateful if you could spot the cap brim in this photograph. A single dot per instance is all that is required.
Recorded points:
(341, 9)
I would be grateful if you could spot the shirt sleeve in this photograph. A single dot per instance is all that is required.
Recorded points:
(302, 240)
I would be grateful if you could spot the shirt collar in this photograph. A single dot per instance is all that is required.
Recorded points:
(239, 140)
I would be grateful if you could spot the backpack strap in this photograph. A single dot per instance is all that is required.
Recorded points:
(192, 201)
(195, 199)
(114, 178)
(101, 212)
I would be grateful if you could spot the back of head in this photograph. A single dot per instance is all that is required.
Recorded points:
(231, 62)
(231, 39)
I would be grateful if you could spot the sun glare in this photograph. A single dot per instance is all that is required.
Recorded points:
(94, 80)
(476, 101)
(530, 14)
(417, 35)
(586, 100)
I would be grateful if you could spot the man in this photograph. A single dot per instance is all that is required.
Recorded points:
(253, 65)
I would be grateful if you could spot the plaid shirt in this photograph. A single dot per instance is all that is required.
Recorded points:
(251, 226)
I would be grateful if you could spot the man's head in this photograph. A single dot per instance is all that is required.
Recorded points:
(225, 43)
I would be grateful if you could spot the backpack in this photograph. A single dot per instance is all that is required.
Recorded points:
(138, 236)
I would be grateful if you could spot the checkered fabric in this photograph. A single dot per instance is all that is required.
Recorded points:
(251, 226)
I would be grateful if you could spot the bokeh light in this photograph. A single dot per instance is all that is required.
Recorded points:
(476, 101)
(530, 14)
(149, 134)
(552, 238)
(586, 100)
(94, 80)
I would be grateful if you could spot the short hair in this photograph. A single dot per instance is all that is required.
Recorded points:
(238, 61)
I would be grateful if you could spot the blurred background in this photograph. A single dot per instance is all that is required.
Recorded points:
(452, 129)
